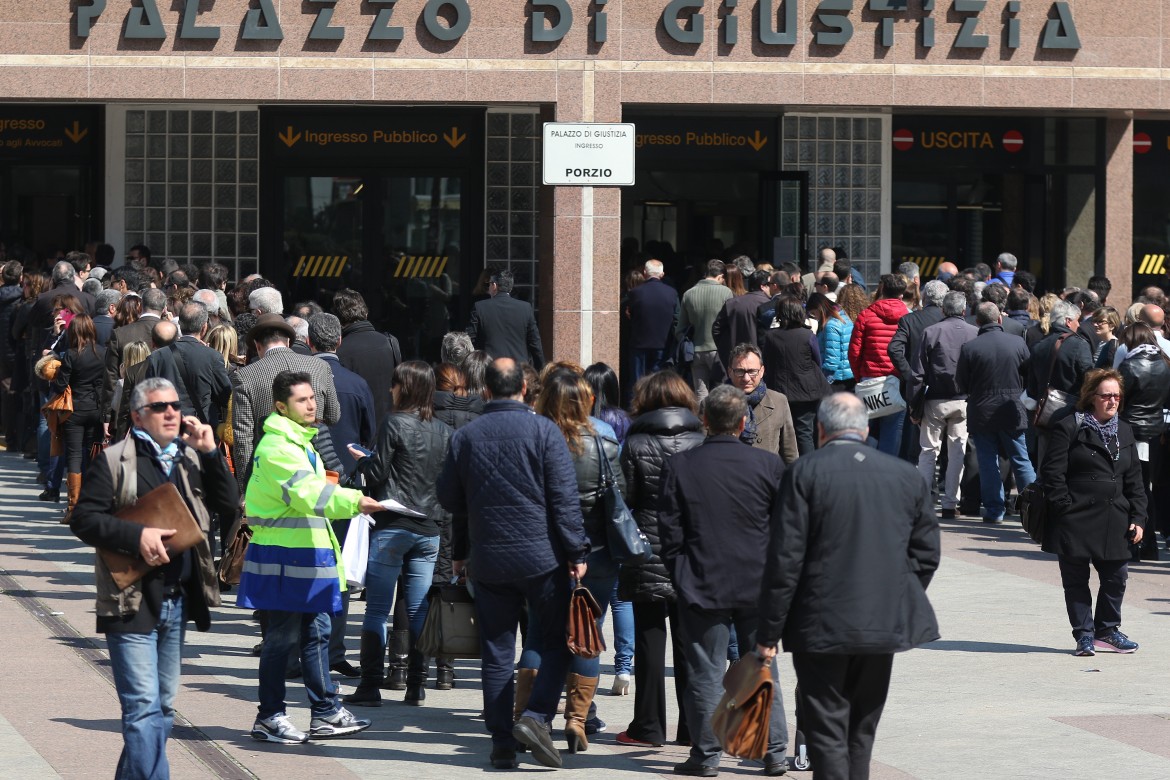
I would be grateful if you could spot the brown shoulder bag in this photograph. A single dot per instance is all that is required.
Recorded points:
(585, 640)
(742, 719)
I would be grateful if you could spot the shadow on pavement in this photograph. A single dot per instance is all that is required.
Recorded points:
(987, 647)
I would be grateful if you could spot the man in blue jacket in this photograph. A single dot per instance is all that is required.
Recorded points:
(510, 483)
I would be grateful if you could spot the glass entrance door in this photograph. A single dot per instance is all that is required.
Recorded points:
(420, 260)
(394, 238)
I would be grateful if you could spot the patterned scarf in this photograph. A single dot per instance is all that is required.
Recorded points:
(1107, 431)
(750, 431)
(165, 457)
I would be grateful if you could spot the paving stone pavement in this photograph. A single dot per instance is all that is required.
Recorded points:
(999, 695)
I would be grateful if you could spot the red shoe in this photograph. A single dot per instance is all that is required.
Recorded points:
(625, 739)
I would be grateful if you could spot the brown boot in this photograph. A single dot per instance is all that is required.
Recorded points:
(525, 679)
(579, 693)
(73, 486)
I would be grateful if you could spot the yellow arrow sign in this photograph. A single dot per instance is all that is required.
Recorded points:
(454, 138)
(77, 132)
(758, 141)
(289, 137)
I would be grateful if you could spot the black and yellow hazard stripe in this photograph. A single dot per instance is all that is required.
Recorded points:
(1152, 265)
(325, 266)
(421, 266)
(927, 266)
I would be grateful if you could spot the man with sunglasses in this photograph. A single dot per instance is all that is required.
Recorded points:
(144, 623)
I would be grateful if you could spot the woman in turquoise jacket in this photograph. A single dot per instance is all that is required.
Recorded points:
(833, 333)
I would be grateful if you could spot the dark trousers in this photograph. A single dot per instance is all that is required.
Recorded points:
(842, 697)
(804, 420)
(498, 607)
(82, 429)
(705, 634)
(646, 361)
(650, 619)
(1078, 599)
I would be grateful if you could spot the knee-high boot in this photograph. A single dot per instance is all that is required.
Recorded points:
(525, 679)
(579, 693)
(73, 487)
(399, 657)
(416, 677)
(370, 657)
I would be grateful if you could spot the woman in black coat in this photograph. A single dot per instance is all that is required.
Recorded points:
(1145, 375)
(792, 366)
(83, 371)
(1097, 506)
(664, 424)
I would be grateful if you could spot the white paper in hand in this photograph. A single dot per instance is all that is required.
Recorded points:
(400, 508)
(355, 551)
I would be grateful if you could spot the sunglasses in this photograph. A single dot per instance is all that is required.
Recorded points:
(158, 407)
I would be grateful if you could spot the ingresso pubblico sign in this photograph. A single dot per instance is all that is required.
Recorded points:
(775, 24)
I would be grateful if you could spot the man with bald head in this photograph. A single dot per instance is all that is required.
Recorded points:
(1154, 316)
(510, 484)
(947, 270)
(162, 362)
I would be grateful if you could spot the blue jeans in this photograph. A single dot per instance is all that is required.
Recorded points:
(393, 551)
(888, 432)
(146, 675)
(623, 633)
(646, 361)
(310, 632)
(987, 446)
(600, 579)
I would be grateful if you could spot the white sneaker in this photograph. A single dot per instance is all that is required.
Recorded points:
(278, 728)
(340, 724)
(621, 685)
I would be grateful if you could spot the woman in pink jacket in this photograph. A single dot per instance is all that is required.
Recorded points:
(868, 355)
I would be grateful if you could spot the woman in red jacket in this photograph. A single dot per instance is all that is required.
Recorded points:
(868, 356)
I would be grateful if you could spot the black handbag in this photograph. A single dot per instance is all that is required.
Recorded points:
(626, 542)
(1034, 511)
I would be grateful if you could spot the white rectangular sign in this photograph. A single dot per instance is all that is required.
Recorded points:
(588, 154)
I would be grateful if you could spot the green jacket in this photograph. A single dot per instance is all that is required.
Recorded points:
(293, 563)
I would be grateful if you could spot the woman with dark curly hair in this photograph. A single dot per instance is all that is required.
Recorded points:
(1092, 476)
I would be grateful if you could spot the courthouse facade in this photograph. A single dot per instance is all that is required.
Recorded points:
(394, 145)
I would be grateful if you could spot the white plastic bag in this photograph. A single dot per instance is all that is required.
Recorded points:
(355, 552)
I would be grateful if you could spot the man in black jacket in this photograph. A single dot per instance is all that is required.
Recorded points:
(371, 355)
(652, 309)
(738, 320)
(1064, 372)
(714, 516)
(845, 583)
(989, 373)
(198, 370)
(904, 346)
(504, 326)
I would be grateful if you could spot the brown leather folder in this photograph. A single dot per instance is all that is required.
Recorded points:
(162, 507)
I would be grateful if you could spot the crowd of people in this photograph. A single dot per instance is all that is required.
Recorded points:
(743, 406)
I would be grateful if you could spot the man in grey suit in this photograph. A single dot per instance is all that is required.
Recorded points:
(503, 326)
(769, 425)
(252, 387)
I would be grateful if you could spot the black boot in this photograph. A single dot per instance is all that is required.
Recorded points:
(416, 678)
(371, 654)
(50, 494)
(399, 652)
(444, 674)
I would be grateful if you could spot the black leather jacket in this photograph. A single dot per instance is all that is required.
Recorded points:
(651, 440)
(1147, 390)
(405, 466)
(588, 468)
